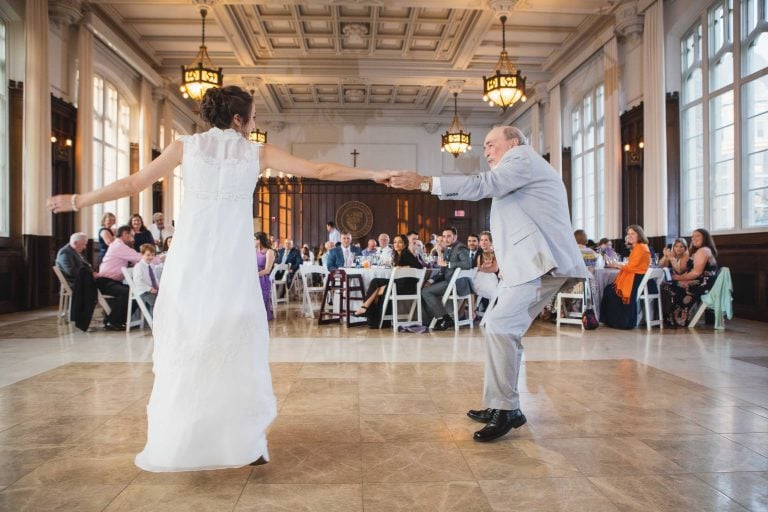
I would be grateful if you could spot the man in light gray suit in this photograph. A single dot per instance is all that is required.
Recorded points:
(536, 251)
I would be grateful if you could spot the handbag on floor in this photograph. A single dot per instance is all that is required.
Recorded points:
(589, 319)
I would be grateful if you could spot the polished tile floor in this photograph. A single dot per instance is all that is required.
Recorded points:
(373, 421)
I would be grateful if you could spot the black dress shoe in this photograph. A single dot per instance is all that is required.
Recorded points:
(483, 416)
(114, 327)
(500, 423)
(259, 462)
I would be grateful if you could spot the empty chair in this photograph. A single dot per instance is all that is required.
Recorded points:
(280, 283)
(307, 273)
(571, 317)
(646, 295)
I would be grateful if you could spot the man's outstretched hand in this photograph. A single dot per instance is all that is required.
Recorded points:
(406, 180)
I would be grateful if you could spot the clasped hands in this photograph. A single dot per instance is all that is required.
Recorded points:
(406, 180)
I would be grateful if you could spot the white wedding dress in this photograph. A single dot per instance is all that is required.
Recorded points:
(212, 399)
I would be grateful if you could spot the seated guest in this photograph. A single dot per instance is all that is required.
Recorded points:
(681, 297)
(676, 257)
(265, 260)
(343, 255)
(451, 255)
(80, 277)
(486, 280)
(146, 276)
(385, 250)
(473, 244)
(371, 249)
(307, 256)
(417, 249)
(619, 308)
(141, 235)
(110, 279)
(106, 233)
(159, 230)
(70, 258)
(323, 254)
(291, 256)
(167, 244)
(605, 247)
(402, 257)
(575, 285)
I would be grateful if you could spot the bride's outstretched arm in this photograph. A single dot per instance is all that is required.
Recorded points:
(130, 185)
(275, 158)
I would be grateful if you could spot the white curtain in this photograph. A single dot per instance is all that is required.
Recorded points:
(555, 130)
(612, 222)
(36, 174)
(84, 145)
(145, 146)
(655, 124)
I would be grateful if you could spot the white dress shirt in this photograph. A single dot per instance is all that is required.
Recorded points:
(141, 279)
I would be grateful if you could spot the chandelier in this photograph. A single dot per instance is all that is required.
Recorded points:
(456, 141)
(201, 75)
(507, 86)
(258, 136)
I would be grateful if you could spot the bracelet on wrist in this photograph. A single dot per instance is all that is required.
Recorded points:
(72, 201)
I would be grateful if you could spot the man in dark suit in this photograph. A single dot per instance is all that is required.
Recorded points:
(473, 244)
(343, 255)
(70, 258)
(451, 254)
(289, 255)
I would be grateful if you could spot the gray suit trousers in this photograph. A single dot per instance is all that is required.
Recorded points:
(432, 301)
(506, 324)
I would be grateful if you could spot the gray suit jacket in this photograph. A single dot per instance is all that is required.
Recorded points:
(458, 258)
(532, 231)
(70, 263)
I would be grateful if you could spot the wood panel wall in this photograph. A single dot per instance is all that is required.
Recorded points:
(299, 209)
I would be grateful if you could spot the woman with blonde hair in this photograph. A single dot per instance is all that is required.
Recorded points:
(106, 234)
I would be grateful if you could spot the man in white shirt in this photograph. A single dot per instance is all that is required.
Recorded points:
(385, 250)
(333, 233)
(159, 230)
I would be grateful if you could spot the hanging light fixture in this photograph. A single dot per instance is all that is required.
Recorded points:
(258, 136)
(456, 141)
(507, 86)
(201, 75)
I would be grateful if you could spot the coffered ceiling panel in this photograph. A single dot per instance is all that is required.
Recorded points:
(383, 61)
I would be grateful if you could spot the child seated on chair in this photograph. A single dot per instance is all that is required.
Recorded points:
(146, 276)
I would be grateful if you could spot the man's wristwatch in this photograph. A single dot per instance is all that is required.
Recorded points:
(424, 185)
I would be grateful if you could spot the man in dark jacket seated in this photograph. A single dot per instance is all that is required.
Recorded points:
(71, 262)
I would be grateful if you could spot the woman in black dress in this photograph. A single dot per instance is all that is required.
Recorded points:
(141, 235)
(106, 235)
(683, 294)
(371, 308)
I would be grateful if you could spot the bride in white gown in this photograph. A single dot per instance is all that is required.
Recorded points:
(212, 399)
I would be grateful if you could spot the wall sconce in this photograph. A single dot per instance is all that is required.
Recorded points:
(61, 148)
(634, 152)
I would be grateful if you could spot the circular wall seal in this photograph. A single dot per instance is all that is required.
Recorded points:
(355, 217)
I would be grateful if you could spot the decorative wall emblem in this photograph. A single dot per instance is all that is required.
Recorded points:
(355, 217)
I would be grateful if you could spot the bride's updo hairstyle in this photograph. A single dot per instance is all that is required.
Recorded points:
(220, 104)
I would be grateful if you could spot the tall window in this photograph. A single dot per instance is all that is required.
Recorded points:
(5, 207)
(725, 81)
(588, 163)
(111, 146)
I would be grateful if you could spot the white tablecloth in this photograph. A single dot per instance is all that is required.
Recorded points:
(603, 277)
(369, 274)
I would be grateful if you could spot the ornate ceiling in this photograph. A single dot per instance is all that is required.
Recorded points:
(382, 61)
